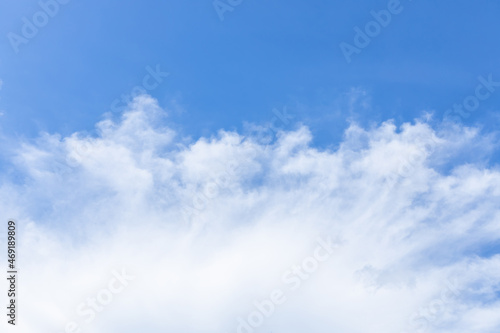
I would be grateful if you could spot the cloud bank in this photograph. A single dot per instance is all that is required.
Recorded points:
(138, 229)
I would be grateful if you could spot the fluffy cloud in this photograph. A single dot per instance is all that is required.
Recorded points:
(213, 230)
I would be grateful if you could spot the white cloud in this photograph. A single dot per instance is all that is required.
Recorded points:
(210, 227)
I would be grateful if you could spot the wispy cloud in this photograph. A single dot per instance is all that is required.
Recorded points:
(118, 205)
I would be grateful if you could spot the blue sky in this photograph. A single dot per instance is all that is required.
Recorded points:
(244, 166)
(261, 56)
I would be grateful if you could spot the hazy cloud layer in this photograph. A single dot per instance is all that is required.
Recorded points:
(209, 227)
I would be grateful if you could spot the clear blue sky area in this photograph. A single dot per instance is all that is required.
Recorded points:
(233, 61)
